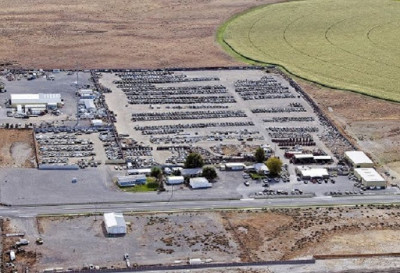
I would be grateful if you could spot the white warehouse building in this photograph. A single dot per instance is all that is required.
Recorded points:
(114, 223)
(36, 99)
(370, 177)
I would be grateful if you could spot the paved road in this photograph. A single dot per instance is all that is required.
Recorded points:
(32, 211)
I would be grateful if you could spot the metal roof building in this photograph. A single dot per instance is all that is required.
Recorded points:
(114, 223)
(199, 183)
(40, 98)
(358, 159)
(175, 180)
(311, 173)
(131, 180)
(370, 177)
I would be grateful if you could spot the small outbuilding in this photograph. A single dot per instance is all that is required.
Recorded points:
(358, 159)
(312, 173)
(175, 180)
(131, 180)
(144, 171)
(114, 223)
(234, 166)
(261, 168)
(199, 183)
(191, 172)
(370, 177)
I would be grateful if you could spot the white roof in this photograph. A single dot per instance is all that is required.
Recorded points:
(358, 157)
(97, 122)
(35, 98)
(139, 171)
(231, 165)
(369, 175)
(175, 179)
(35, 105)
(323, 157)
(113, 219)
(130, 178)
(260, 167)
(85, 91)
(315, 172)
(299, 156)
(199, 182)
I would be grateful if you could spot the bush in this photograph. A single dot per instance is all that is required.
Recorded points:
(210, 173)
(194, 160)
(274, 165)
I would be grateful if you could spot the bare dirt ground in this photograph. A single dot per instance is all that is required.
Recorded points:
(17, 148)
(115, 34)
(225, 236)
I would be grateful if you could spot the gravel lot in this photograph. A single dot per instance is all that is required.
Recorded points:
(223, 236)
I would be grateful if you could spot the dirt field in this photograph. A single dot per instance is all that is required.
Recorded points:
(17, 148)
(226, 236)
(115, 34)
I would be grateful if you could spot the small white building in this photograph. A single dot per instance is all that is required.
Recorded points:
(261, 168)
(199, 183)
(358, 159)
(191, 172)
(114, 223)
(175, 180)
(97, 122)
(234, 166)
(89, 104)
(145, 171)
(131, 180)
(307, 173)
(370, 177)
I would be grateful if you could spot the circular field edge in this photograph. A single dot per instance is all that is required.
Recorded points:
(243, 58)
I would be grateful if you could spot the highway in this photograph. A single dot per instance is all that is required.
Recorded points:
(34, 210)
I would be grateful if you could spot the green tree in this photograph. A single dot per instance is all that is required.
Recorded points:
(210, 173)
(260, 155)
(158, 174)
(274, 165)
(194, 160)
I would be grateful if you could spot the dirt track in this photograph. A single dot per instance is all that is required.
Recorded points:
(16, 148)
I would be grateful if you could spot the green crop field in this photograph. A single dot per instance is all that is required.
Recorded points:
(346, 44)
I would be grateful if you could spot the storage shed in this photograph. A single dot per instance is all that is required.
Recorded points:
(145, 171)
(261, 168)
(358, 159)
(175, 180)
(191, 172)
(131, 180)
(234, 166)
(114, 223)
(370, 177)
(199, 183)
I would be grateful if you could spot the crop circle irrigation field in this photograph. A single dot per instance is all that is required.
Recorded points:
(346, 44)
